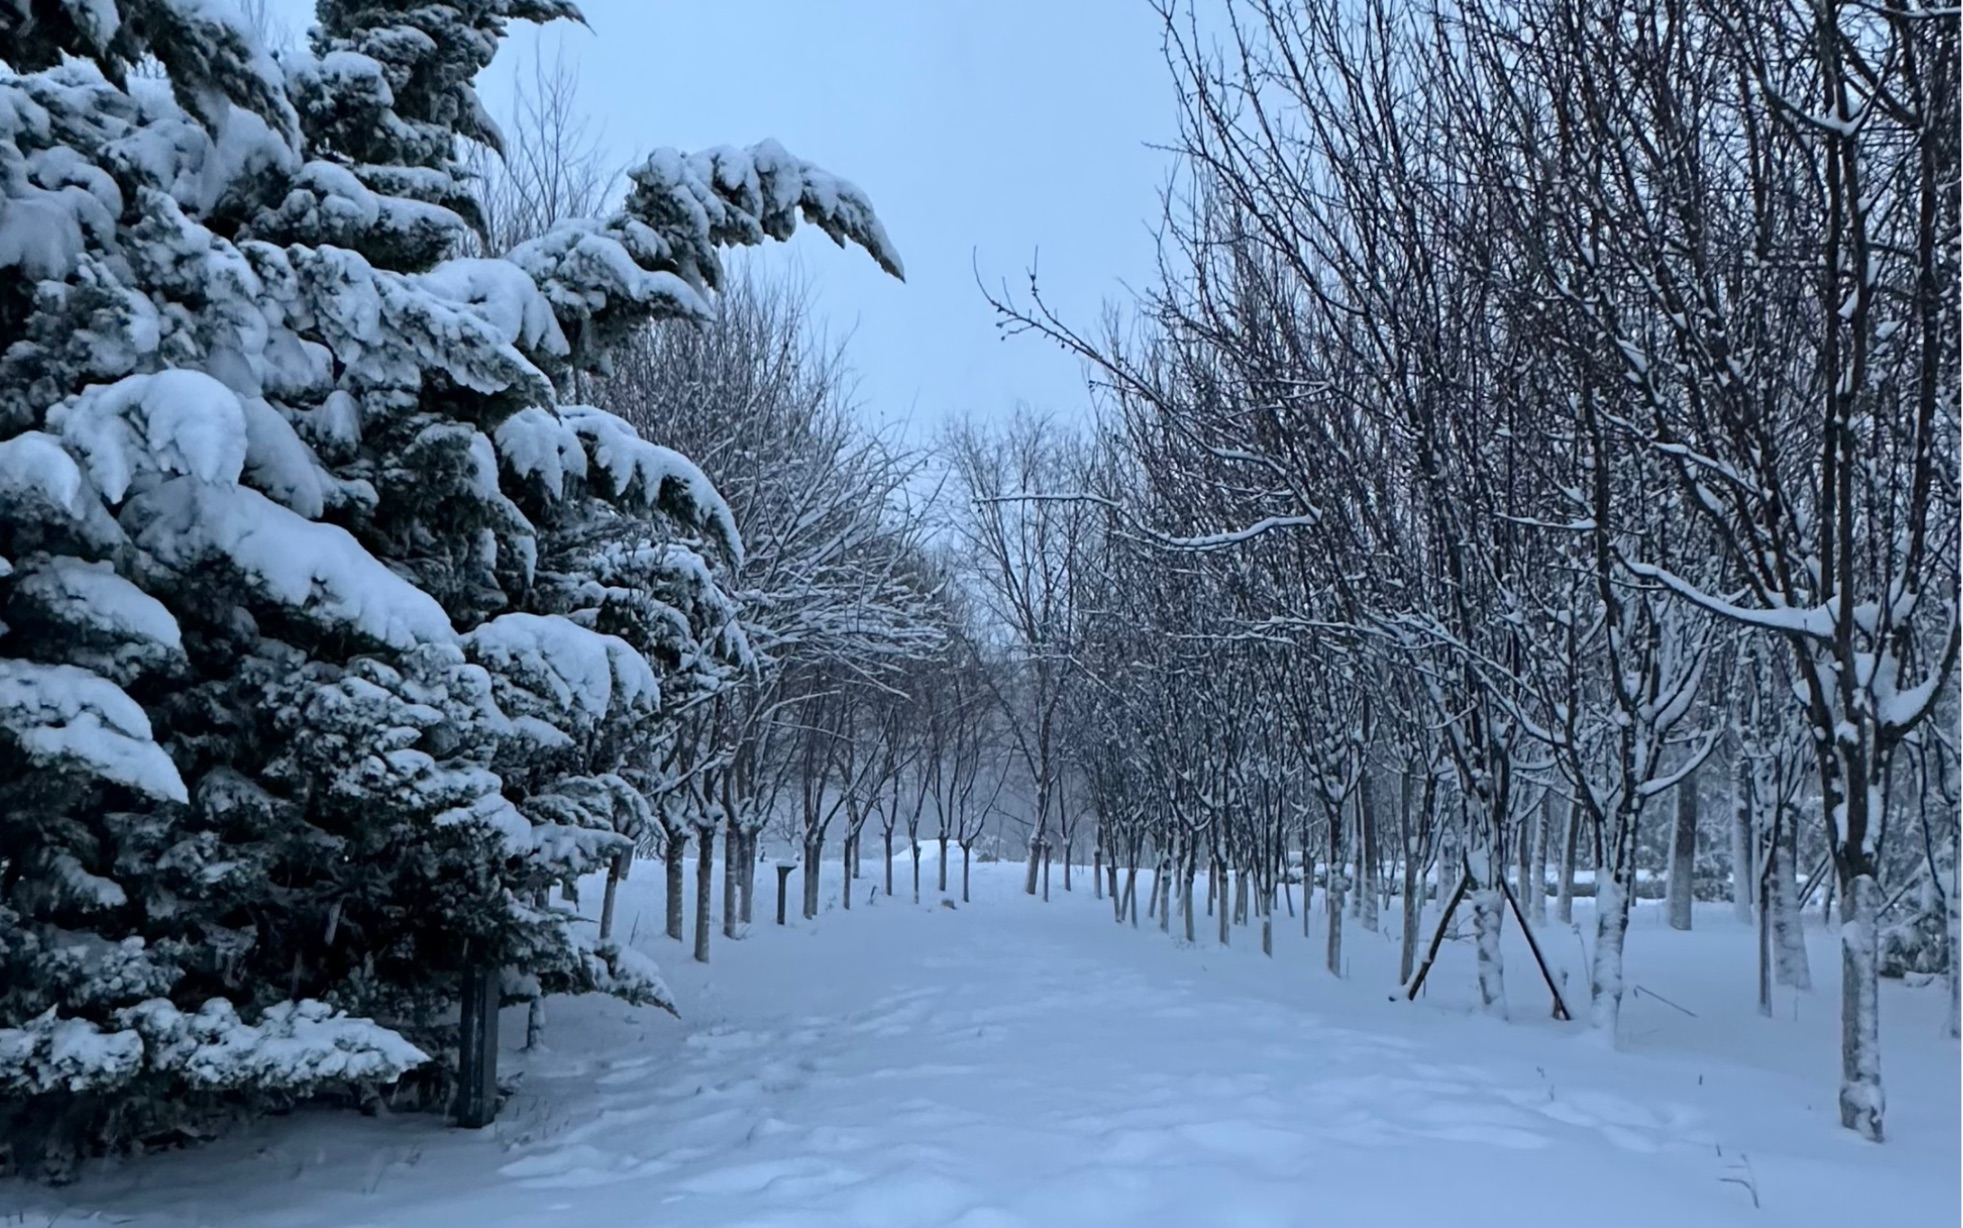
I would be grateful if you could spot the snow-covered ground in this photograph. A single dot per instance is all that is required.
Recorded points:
(1012, 1063)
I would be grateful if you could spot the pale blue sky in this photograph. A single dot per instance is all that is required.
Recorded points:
(987, 132)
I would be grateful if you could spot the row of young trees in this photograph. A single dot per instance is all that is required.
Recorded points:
(1544, 411)
(1532, 474)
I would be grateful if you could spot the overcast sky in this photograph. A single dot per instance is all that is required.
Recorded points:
(987, 132)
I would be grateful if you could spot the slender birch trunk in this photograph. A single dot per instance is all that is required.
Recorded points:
(1862, 1101)
(1791, 967)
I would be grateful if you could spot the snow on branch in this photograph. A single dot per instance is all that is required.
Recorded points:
(317, 570)
(724, 196)
(68, 717)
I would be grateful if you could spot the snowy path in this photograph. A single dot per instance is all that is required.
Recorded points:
(1012, 1064)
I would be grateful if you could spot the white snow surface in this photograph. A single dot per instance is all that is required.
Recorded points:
(1012, 1063)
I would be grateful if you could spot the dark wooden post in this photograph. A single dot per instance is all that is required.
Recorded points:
(783, 886)
(477, 1048)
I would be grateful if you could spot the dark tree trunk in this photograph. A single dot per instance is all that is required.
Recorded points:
(1683, 855)
(732, 841)
(813, 849)
(705, 881)
(671, 855)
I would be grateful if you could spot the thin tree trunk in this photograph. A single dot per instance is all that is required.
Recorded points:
(850, 852)
(1683, 855)
(964, 874)
(749, 878)
(1765, 936)
(1368, 870)
(1224, 920)
(1955, 974)
(1414, 912)
(1744, 865)
(1570, 845)
(535, 1009)
(535, 1024)
(889, 867)
(732, 840)
(1097, 871)
(1536, 906)
(916, 871)
(614, 875)
(1187, 873)
(812, 851)
(705, 881)
(1333, 898)
(1488, 915)
(1523, 860)
(1308, 882)
(1611, 930)
(672, 854)
(1861, 1098)
(943, 886)
(1791, 967)
(1266, 903)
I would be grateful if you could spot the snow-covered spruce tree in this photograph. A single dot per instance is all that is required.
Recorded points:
(254, 472)
(119, 942)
